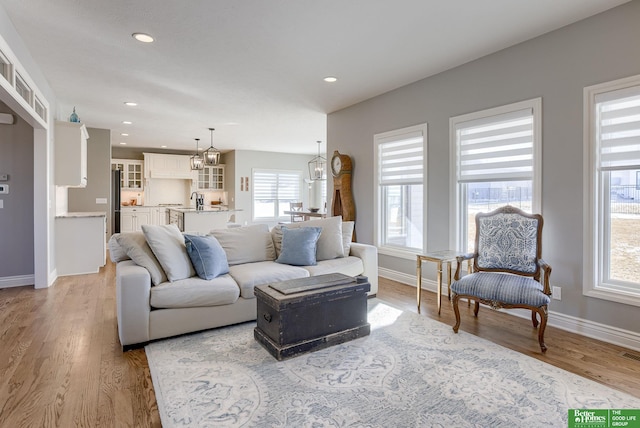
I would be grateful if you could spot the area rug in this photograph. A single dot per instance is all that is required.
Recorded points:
(410, 372)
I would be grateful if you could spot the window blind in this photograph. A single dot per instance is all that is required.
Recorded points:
(496, 148)
(401, 159)
(618, 129)
(272, 185)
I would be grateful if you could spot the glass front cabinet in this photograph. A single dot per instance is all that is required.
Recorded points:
(211, 178)
(132, 177)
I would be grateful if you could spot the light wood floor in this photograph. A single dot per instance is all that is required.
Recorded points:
(61, 363)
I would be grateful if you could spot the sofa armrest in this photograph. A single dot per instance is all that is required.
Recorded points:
(133, 287)
(369, 256)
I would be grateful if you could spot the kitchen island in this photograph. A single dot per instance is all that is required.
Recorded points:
(80, 243)
(202, 220)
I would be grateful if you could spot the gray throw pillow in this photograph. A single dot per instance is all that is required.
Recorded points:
(136, 247)
(246, 244)
(167, 243)
(347, 235)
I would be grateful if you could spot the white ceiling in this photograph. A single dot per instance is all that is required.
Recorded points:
(253, 69)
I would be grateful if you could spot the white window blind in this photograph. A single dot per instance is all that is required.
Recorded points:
(401, 159)
(618, 129)
(272, 185)
(496, 148)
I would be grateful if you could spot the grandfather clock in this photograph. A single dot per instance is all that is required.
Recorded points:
(342, 203)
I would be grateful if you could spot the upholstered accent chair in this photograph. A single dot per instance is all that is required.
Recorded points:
(507, 267)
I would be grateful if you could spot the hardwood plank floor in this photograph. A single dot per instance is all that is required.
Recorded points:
(61, 363)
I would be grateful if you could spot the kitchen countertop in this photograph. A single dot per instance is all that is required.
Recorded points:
(81, 214)
(206, 209)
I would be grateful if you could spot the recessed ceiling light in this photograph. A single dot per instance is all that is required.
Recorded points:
(130, 103)
(164, 147)
(330, 79)
(124, 135)
(127, 122)
(142, 37)
(123, 144)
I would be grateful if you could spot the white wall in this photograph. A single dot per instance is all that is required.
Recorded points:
(43, 192)
(556, 66)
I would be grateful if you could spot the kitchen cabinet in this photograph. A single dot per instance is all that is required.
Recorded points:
(80, 247)
(132, 177)
(211, 178)
(158, 215)
(71, 154)
(132, 219)
(158, 165)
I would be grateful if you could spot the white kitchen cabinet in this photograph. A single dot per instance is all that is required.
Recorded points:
(132, 177)
(80, 243)
(132, 219)
(71, 154)
(158, 215)
(211, 178)
(158, 165)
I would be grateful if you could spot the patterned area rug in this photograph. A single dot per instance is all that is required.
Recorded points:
(410, 372)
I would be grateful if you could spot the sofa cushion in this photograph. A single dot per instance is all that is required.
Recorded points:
(248, 244)
(195, 292)
(347, 235)
(351, 266)
(330, 243)
(207, 256)
(299, 246)
(136, 247)
(167, 243)
(249, 275)
(116, 252)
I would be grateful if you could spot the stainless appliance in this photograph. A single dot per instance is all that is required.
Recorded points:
(115, 200)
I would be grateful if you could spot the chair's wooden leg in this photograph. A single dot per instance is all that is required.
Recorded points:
(456, 311)
(534, 319)
(476, 308)
(543, 324)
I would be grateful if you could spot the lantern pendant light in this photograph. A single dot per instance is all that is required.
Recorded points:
(211, 155)
(197, 161)
(318, 167)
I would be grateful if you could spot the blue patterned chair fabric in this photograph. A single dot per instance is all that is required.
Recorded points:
(507, 267)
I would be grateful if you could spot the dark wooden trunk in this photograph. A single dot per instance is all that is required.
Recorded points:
(307, 314)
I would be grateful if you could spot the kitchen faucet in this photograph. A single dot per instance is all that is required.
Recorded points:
(199, 200)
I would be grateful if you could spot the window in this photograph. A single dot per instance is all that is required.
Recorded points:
(23, 89)
(612, 166)
(400, 160)
(495, 158)
(4, 66)
(273, 190)
(39, 107)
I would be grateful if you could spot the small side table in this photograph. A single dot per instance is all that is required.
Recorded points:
(438, 257)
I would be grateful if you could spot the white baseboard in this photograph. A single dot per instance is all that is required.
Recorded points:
(17, 281)
(594, 330)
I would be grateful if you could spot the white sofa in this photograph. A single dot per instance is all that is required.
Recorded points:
(148, 312)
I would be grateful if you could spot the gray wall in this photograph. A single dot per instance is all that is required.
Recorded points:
(98, 176)
(556, 66)
(16, 218)
(243, 162)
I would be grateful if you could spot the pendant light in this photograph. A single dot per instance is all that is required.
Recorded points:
(197, 161)
(318, 167)
(211, 155)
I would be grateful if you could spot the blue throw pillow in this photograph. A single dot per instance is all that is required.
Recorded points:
(207, 256)
(299, 246)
